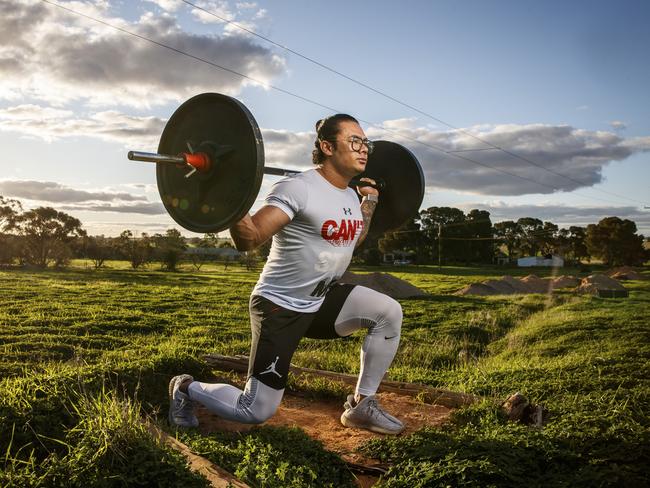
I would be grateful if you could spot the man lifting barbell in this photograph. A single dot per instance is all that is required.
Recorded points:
(316, 221)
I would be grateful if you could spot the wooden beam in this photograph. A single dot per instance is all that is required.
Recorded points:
(218, 477)
(428, 394)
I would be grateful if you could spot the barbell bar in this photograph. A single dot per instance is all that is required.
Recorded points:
(210, 165)
(203, 161)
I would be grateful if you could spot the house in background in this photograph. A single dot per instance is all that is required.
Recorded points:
(548, 261)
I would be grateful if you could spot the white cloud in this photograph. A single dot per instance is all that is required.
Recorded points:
(168, 5)
(618, 125)
(52, 55)
(66, 198)
(49, 191)
(147, 208)
(49, 123)
(578, 154)
(575, 153)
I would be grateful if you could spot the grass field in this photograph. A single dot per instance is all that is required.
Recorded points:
(87, 353)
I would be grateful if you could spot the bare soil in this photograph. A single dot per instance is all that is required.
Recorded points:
(624, 273)
(384, 283)
(319, 419)
(509, 285)
(593, 283)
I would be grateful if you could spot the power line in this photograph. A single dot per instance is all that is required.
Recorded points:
(404, 104)
(305, 99)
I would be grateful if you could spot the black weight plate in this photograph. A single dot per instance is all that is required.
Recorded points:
(402, 197)
(211, 201)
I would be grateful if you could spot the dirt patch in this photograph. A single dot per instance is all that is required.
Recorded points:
(320, 420)
(624, 273)
(384, 283)
(477, 289)
(518, 285)
(501, 286)
(536, 284)
(594, 283)
(565, 282)
(508, 286)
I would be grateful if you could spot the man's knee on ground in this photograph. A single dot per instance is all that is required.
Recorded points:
(259, 402)
(260, 412)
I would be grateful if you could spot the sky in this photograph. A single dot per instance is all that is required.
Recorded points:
(560, 87)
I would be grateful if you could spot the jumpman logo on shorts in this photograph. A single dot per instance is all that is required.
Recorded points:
(271, 368)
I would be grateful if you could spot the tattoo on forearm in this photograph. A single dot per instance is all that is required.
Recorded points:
(367, 210)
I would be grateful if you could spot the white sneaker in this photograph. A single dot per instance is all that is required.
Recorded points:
(181, 408)
(367, 414)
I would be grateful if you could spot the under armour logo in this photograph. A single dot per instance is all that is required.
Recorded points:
(347, 211)
(271, 368)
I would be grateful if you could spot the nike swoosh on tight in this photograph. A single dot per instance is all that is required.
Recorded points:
(391, 337)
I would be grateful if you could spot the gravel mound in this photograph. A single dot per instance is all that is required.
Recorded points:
(384, 283)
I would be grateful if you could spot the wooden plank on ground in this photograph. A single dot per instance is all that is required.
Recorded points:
(218, 477)
(428, 394)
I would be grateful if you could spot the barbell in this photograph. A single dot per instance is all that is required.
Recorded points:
(210, 165)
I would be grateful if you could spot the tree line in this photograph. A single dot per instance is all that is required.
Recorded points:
(44, 236)
(449, 236)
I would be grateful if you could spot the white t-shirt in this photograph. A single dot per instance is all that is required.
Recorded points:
(315, 248)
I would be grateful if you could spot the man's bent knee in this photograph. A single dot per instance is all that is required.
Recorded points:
(258, 403)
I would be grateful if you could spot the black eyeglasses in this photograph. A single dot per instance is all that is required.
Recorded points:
(356, 142)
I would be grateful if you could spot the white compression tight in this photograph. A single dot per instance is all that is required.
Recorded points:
(364, 308)
(383, 317)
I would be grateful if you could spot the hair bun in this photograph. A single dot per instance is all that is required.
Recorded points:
(320, 124)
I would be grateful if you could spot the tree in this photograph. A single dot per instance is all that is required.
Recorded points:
(616, 242)
(479, 231)
(170, 248)
(508, 233)
(47, 235)
(408, 239)
(98, 249)
(577, 245)
(547, 239)
(450, 220)
(137, 251)
(9, 212)
(530, 230)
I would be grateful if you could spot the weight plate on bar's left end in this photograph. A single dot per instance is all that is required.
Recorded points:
(215, 200)
(402, 197)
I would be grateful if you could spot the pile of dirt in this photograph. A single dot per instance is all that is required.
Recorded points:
(508, 286)
(476, 289)
(384, 283)
(624, 273)
(594, 283)
(517, 284)
(537, 284)
(565, 282)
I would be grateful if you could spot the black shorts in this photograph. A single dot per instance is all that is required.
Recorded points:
(277, 331)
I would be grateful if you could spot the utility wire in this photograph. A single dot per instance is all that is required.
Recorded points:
(305, 99)
(404, 104)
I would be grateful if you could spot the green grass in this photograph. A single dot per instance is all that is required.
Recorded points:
(85, 353)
